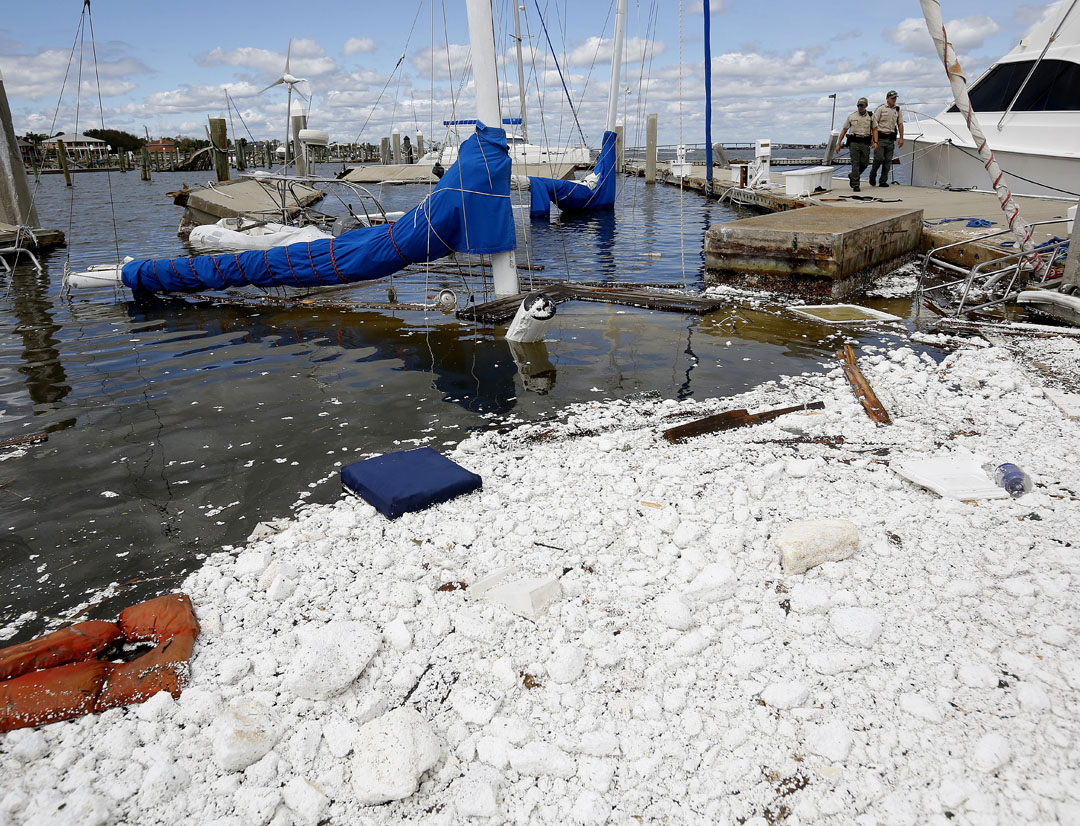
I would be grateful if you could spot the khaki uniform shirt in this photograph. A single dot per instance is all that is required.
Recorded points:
(888, 119)
(858, 125)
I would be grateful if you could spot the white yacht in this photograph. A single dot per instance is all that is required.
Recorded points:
(521, 152)
(1028, 104)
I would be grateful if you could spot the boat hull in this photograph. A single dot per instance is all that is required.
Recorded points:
(943, 166)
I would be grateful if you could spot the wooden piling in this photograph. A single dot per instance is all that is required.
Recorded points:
(619, 148)
(395, 137)
(61, 155)
(241, 162)
(419, 145)
(269, 155)
(650, 150)
(384, 151)
(219, 137)
(145, 164)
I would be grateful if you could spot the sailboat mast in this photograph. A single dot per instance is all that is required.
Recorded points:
(616, 65)
(708, 99)
(482, 40)
(521, 69)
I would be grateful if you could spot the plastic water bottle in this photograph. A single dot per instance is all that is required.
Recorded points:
(1013, 479)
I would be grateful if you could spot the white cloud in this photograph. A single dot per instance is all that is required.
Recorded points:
(599, 50)
(41, 76)
(966, 34)
(307, 59)
(358, 45)
(698, 7)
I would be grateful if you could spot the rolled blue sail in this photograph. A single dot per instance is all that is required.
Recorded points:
(468, 211)
(571, 196)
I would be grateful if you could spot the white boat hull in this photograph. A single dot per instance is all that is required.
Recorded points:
(944, 166)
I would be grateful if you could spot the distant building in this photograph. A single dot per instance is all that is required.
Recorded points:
(79, 147)
(164, 146)
(26, 149)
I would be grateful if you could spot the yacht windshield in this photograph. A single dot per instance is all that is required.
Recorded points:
(1054, 87)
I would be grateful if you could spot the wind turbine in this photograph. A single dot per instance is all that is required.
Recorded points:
(290, 82)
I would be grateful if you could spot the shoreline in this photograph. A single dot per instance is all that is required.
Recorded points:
(681, 674)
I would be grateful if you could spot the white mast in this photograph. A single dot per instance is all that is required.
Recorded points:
(936, 27)
(482, 39)
(616, 65)
(521, 70)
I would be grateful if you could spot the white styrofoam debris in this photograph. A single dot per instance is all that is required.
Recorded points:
(810, 542)
(667, 683)
(393, 752)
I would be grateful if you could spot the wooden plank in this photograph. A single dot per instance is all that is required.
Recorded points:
(29, 439)
(730, 419)
(503, 309)
(865, 393)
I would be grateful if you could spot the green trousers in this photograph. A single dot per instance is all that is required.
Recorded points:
(860, 159)
(883, 159)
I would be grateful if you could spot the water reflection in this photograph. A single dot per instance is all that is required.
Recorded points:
(534, 365)
(474, 371)
(31, 304)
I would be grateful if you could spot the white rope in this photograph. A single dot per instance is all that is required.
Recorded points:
(947, 54)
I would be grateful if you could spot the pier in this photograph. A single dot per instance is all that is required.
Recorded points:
(941, 212)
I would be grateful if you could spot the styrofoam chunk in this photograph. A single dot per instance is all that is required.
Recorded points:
(810, 542)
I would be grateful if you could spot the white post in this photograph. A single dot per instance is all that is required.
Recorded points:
(616, 65)
(482, 38)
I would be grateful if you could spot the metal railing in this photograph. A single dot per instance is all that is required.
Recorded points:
(1015, 267)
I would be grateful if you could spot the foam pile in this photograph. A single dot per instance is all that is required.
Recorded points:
(679, 674)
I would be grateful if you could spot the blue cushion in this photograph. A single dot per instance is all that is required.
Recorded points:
(410, 480)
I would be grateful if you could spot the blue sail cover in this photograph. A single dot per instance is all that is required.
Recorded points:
(468, 211)
(570, 196)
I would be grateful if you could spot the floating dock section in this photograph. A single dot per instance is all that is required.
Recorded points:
(819, 250)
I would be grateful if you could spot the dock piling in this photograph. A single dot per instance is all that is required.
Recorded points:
(145, 164)
(619, 148)
(61, 156)
(1071, 277)
(384, 151)
(299, 150)
(219, 137)
(650, 150)
(395, 137)
(419, 145)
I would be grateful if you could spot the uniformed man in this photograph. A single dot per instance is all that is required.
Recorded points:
(861, 127)
(888, 126)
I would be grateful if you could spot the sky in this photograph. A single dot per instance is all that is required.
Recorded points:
(374, 66)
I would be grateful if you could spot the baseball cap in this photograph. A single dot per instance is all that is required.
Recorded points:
(891, 93)
(863, 102)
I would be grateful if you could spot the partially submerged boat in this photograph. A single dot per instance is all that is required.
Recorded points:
(468, 211)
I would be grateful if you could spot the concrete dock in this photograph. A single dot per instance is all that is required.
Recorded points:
(828, 251)
(936, 206)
